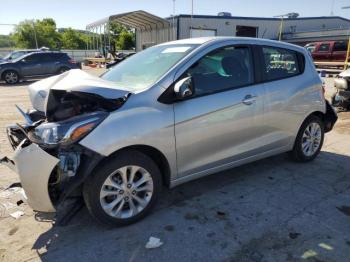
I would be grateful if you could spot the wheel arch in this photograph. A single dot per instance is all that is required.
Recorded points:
(329, 118)
(2, 76)
(317, 113)
(156, 155)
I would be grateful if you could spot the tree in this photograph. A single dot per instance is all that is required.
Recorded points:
(123, 36)
(125, 41)
(72, 39)
(44, 30)
(5, 41)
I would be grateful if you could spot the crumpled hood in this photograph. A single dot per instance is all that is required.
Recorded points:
(74, 80)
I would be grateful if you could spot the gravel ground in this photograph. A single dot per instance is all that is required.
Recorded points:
(272, 210)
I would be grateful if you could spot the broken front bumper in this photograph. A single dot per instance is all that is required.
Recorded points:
(34, 167)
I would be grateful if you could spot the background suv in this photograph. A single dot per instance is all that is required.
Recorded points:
(36, 64)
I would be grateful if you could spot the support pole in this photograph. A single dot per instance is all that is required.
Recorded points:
(281, 29)
(347, 55)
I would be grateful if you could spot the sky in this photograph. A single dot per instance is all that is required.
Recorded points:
(78, 13)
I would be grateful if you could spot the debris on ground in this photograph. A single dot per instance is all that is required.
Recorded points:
(12, 191)
(153, 242)
(12, 201)
(17, 214)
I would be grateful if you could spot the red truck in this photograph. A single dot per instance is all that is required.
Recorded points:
(328, 51)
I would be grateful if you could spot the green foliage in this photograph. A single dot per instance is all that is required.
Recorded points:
(123, 36)
(125, 41)
(47, 35)
(72, 39)
(44, 30)
(6, 41)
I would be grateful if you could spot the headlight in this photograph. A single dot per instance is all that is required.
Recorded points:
(66, 132)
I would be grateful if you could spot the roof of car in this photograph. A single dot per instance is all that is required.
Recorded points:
(45, 52)
(251, 40)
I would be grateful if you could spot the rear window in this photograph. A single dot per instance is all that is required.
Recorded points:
(282, 63)
(340, 46)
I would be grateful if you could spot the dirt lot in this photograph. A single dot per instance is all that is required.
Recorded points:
(272, 210)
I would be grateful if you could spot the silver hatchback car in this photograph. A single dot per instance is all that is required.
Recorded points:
(169, 114)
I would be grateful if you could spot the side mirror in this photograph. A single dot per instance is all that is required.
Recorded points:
(183, 88)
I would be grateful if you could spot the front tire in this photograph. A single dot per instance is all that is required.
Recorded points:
(124, 189)
(309, 140)
(11, 77)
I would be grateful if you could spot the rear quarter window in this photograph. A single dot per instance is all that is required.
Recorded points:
(281, 63)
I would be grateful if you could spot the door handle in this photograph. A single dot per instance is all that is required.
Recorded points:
(249, 99)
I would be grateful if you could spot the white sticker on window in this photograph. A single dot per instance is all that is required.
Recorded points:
(181, 49)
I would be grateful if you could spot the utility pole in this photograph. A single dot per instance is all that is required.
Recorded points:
(192, 9)
(191, 16)
(36, 40)
(332, 8)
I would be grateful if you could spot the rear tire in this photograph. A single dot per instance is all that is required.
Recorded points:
(309, 140)
(116, 196)
(11, 77)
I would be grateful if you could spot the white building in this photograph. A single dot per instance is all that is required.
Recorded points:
(151, 30)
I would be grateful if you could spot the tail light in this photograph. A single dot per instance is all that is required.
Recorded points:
(72, 61)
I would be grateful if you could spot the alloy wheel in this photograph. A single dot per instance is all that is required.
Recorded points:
(311, 139)
(126, 192)
(11, 77)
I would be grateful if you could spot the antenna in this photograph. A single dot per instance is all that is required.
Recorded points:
(332, 8)
(174, 19)
(191, 12)
(192, 9)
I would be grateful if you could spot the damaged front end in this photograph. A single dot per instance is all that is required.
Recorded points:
(48, 158)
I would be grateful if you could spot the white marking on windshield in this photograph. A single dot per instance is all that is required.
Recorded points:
(181, 49)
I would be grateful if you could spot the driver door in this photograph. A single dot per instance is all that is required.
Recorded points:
(32, 65)
(220, 123)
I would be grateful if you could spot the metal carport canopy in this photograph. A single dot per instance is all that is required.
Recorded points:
(137, 19)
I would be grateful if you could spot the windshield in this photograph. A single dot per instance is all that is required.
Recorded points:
(14, 55)
(142, 70)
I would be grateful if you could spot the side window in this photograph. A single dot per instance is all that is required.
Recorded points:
(324, 48)
(222, 69)
(340, 46)
(34, 58)
(280, 63)
(46, 57)
(55, 56)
